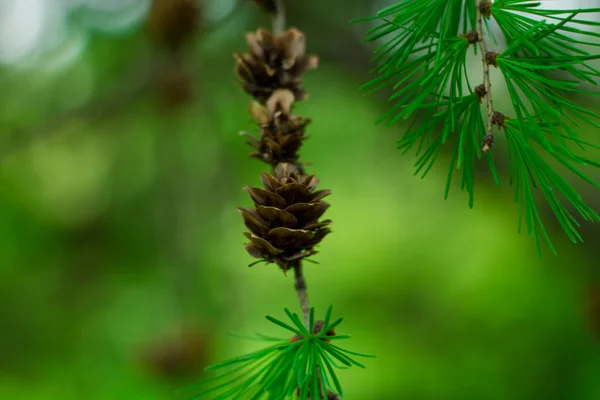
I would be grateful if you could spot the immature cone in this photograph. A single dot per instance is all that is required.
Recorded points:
(281, 134)
(274, 62)
(284, 226)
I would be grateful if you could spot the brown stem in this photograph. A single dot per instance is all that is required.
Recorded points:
(302, 291)
(279, 18)
(486, 78)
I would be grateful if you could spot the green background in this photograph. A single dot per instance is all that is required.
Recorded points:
(122, 267)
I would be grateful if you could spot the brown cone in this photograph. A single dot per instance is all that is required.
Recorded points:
(274, 62)
(284, 226)
(281, 134)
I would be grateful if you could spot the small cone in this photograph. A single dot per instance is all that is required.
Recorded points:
(284, 223)
(274, 62)
(281, 134)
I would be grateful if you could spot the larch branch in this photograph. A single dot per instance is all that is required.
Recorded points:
(489, 137)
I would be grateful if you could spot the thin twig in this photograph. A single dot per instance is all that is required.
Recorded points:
(279, 18)
(488, 140)
(302, 291)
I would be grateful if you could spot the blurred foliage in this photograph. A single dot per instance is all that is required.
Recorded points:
(121, 261)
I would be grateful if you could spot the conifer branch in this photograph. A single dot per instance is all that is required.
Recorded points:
(284, 226)
(137, 80)
(426, 39)
(299, 281)
(488, 139)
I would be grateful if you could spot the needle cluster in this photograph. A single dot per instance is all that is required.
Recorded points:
(423, 60)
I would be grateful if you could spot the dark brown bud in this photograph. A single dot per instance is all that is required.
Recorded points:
(490, 58)
(471, 37)
(485, 7)
(480, 92)
(488, 142)
(498, 119)
(332, 396)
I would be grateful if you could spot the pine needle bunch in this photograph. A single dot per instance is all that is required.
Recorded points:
(424, 60)
(284, 227)
(286, 368)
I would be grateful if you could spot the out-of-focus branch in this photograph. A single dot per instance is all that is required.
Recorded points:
(135, 82)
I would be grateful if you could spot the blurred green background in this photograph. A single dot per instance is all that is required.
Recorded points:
(122, 267)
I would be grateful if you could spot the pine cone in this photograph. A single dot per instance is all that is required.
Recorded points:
(274, 62)
(281, 134)
(284, 225)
